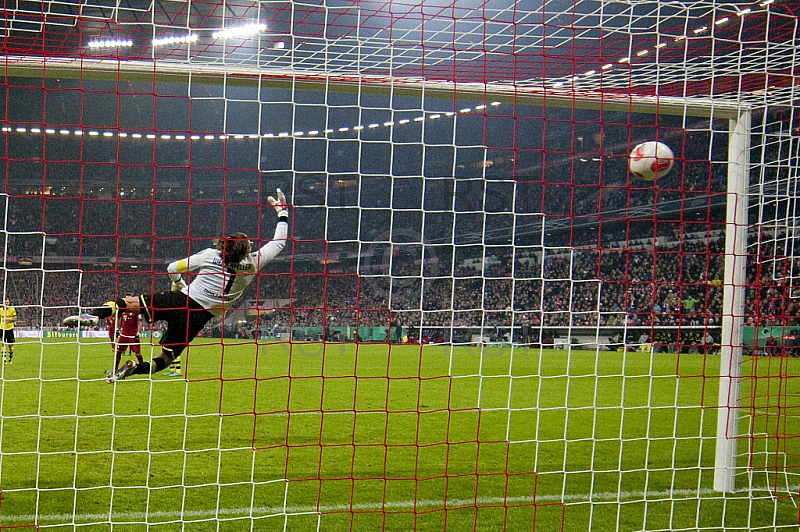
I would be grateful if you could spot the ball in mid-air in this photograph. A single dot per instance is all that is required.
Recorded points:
(651, 160)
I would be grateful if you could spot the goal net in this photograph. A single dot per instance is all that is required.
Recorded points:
(481, 319)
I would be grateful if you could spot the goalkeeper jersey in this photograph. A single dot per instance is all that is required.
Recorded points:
(217, 286)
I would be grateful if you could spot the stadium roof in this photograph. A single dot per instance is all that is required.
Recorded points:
(741, 52)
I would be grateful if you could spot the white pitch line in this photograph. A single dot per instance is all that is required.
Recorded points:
(262, 512)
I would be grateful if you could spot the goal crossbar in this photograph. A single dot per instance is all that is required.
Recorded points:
(179, 72)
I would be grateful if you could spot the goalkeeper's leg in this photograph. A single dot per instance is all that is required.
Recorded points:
(185, 319)
(175, 368)
(176, 338)
(93, 316)
(110, 308)
(159, 362)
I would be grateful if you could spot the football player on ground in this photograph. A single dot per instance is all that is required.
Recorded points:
(222, 275)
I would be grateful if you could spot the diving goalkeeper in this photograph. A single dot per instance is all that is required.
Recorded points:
(222, 273)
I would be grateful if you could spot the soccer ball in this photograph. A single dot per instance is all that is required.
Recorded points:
(650, 160)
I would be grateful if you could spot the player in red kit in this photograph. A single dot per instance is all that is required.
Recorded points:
(111, 325)
(128, 324)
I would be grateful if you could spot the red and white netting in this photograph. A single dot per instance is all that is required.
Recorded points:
(482, 319)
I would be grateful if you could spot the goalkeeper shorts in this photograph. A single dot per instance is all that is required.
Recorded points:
(184, 316)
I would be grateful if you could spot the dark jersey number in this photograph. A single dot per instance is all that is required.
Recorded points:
(231, 278)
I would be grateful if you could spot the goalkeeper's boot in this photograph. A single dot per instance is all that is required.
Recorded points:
(120, 375)
(83, 319)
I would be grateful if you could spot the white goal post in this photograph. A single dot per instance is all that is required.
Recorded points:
(736, 230)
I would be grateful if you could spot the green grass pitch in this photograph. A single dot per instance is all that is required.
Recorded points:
(393, 438)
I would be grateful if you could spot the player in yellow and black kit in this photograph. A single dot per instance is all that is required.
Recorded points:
(8, 319)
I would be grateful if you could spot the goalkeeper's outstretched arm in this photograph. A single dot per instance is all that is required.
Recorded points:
(271, 249)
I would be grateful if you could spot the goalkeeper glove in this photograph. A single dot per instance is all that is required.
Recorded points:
(178, 285)
(280, 205)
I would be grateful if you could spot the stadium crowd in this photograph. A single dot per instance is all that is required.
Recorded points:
(672, 280)
(621, 271)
